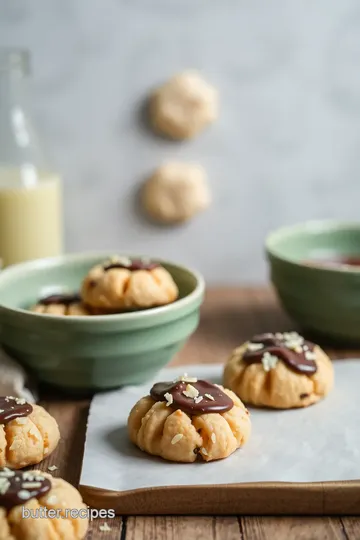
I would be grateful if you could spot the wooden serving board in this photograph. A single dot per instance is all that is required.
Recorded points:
(229, 316)
(300, 461)
(323, 498)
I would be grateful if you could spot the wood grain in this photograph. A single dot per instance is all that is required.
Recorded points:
(260, 528)
(229, 316)
(351, 527)
(166, 528)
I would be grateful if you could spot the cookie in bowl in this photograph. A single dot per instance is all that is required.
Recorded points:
(34, 505)
(61, 304)
(122, 284)
(281, 371)
(189, 419)
(28, 433)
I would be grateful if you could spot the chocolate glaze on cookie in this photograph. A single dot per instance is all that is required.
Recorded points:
(294, 351)
(218, 402)
(65, 299)
(132, 266)
(17, 487)
(12, 407)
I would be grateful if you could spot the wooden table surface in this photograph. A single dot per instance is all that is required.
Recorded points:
(229, 317)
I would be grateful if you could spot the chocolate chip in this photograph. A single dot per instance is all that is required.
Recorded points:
(92, 284)
(303, 396)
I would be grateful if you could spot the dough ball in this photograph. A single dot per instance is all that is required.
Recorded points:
(183, 106)
(28, 440)
(176, 192)
(120, 285)
(271, 382)
(175, 435)
(61, 306)
(31, 519)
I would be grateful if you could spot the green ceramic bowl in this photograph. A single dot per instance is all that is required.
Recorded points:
(97, 352)
(324, 299)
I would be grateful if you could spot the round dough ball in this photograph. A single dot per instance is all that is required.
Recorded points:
(32, 520)
(183, 106)
(176, 192)
(58, 308)
(28, 440)
(278, 386)
(116, 286)
(177, 436)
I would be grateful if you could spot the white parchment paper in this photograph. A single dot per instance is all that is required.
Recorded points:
(319, 443)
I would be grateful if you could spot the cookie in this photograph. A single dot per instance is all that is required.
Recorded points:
(28, 433)
(175, 193)
(61, 304)
(189, 419)
(183, 106)
(122, 284)
(279, 370)
(36, 506)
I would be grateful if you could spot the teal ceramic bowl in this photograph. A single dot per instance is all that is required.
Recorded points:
(96, 352)
(321, 297)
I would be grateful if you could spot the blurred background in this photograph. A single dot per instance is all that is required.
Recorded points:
(284, 149)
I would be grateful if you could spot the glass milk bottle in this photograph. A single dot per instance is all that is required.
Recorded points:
(30, 191)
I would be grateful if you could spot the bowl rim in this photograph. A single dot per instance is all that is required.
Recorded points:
(310, 226)
(47, 262)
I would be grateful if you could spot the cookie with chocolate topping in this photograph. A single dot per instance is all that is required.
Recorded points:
(26, 497)
(28, 433)
(61, 304)
(122, 284)
(189, 419)
(280, 370)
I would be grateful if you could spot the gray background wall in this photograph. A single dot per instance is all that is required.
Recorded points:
(286, 147)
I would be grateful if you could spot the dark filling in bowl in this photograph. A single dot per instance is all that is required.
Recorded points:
(334, 261)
